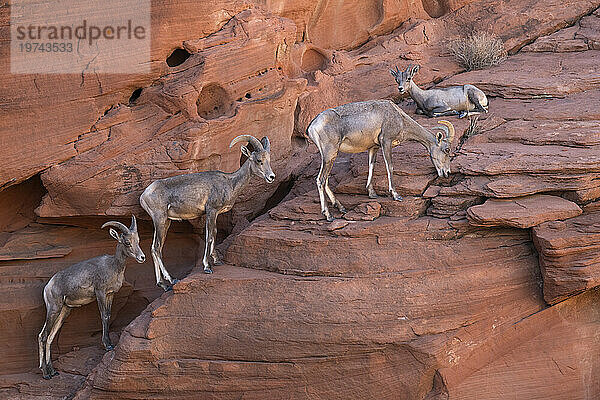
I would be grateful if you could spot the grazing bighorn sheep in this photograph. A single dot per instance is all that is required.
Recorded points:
(367, 126)
(454, 100)
(187, 197)
(97, 278)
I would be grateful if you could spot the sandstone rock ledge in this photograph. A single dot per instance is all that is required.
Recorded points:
(398, 306)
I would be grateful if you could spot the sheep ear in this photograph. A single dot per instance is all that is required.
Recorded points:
(439, 136)
(133, 227)
(245, 151)
(265, 143)
(115, 235)
(414, 70)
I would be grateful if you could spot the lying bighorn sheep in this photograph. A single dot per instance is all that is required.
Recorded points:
(454, 100)
(186, 197)
(97, 278)
(367, 126)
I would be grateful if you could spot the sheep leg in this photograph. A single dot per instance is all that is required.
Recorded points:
(161, 226)
(386, 146)
(476, 101)
(51, 316)
(59, 318)
(215, 257)
(332, 198)
(41, 345)
(213, 254)
(211, 232)
(104, 305)
(163, 270)
(372, 157)
(442, 112)
(322, 180)
(324, 209)
(197, 228)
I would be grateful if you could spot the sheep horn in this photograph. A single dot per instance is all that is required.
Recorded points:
(449, 129)
(256, 144)
(117, 225)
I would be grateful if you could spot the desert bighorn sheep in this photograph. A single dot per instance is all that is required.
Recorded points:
(97, 278)
(187, 197)
(454, 100)
(367, 126)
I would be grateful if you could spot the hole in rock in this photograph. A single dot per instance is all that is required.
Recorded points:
(436, 8)
(177, 57)
(248, 95)
(18, 202)
(312, 61)
(214, 102)
(135, 95)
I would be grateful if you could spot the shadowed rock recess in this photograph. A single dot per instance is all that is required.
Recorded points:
(483, 285)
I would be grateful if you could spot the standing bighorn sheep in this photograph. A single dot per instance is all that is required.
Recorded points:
(367, 126)
(97, 278)
(187, 197)
(454, 100)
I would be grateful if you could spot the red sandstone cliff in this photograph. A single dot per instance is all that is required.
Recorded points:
(481, 285)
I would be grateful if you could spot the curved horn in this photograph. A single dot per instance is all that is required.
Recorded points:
(249, 139)
(117, 225)
(449, 129)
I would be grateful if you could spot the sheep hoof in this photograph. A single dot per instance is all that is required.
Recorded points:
(51, 373)
(372, 194)
(164, 286)
(208, 270)
(463, 114)
(342, 209)
(396, 197)
(109, 347)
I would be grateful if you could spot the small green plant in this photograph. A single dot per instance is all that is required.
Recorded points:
(479, 50)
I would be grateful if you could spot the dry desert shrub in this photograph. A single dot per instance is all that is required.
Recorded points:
(479, 50)
(474, 127)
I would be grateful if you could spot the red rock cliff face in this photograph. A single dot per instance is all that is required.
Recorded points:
(481, 285)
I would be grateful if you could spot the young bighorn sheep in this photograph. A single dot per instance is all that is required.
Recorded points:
(187, 197)
(367, 126)
(97, 278)
(454, 100)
